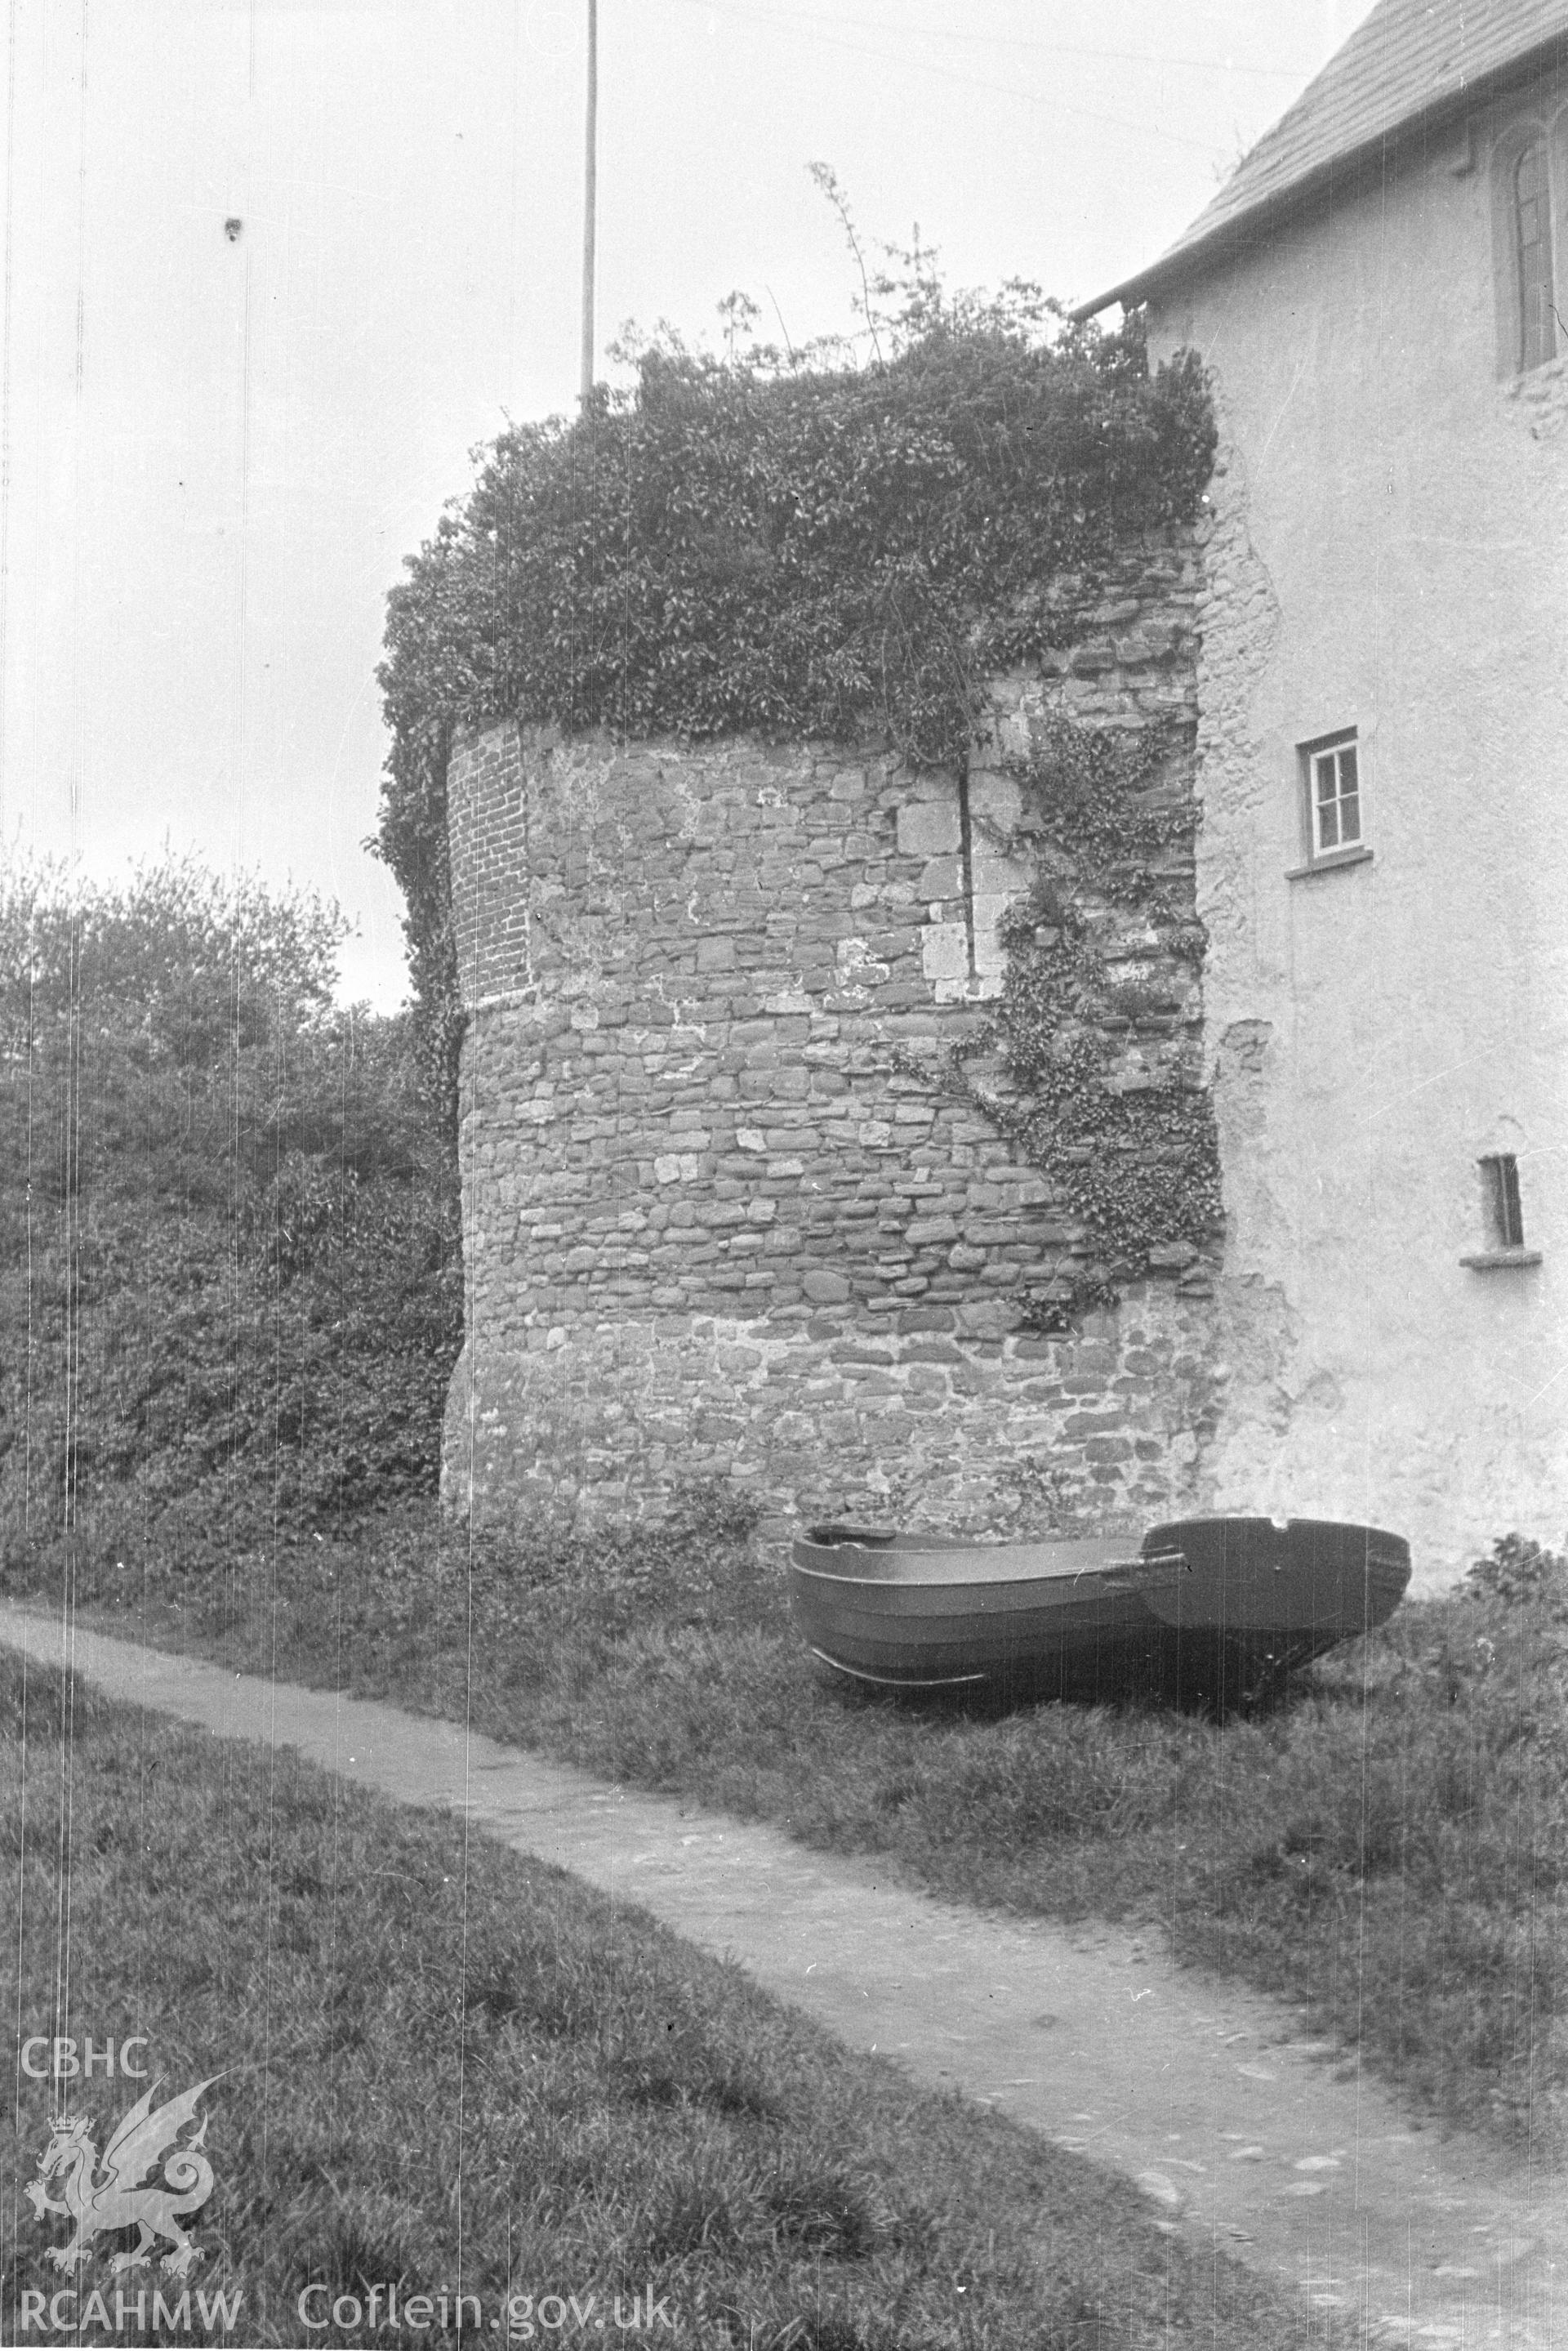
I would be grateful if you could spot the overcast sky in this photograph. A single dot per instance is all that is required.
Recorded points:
(215, 451)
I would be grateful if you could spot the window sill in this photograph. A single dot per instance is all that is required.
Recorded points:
(1494, 1261)
(1332, 863)
(1519, 383)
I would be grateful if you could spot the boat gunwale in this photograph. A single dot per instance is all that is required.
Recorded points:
(1136, 1575)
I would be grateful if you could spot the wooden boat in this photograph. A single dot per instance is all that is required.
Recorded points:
(1221, 1607)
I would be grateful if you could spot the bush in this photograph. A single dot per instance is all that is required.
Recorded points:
(1522, 1572)
(232, 1284)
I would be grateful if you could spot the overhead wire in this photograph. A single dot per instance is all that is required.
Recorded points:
(902, 56)
(1001, 40)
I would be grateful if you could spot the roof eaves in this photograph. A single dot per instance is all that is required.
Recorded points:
(1244, 228)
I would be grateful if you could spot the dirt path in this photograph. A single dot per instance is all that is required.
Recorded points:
(1240, 2131)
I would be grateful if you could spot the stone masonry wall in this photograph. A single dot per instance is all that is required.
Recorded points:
(721, 1215)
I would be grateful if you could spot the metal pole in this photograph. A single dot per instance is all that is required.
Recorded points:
(589, 178)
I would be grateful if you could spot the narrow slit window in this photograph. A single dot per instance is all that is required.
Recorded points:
(1533, 245)
(966, 865)
(1505, 1214)
(1335, 800)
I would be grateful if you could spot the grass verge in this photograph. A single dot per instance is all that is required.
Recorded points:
(443, 2066)
(1389, 1846)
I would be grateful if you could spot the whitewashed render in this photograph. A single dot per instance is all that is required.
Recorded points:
(1381, 305)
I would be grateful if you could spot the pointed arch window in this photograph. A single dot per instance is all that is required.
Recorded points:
(1533, 249)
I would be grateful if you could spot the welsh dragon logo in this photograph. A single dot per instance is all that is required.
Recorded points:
(150, 2178)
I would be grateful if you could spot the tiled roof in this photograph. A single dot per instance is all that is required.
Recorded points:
(1410, 59)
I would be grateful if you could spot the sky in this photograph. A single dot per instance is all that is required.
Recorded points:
(273, 271)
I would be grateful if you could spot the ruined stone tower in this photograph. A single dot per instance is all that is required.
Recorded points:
(722, 1215)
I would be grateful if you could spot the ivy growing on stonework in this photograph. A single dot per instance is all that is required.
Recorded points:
(808, 544)
(1131, 1151)
(782, 544)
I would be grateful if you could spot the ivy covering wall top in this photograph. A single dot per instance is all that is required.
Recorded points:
(746, 544)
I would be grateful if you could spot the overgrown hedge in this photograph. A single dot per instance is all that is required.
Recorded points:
(230, 1279)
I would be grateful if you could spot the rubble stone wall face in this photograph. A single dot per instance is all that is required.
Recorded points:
(721, 1216)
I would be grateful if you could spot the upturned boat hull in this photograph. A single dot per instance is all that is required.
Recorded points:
(1223, 1606)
